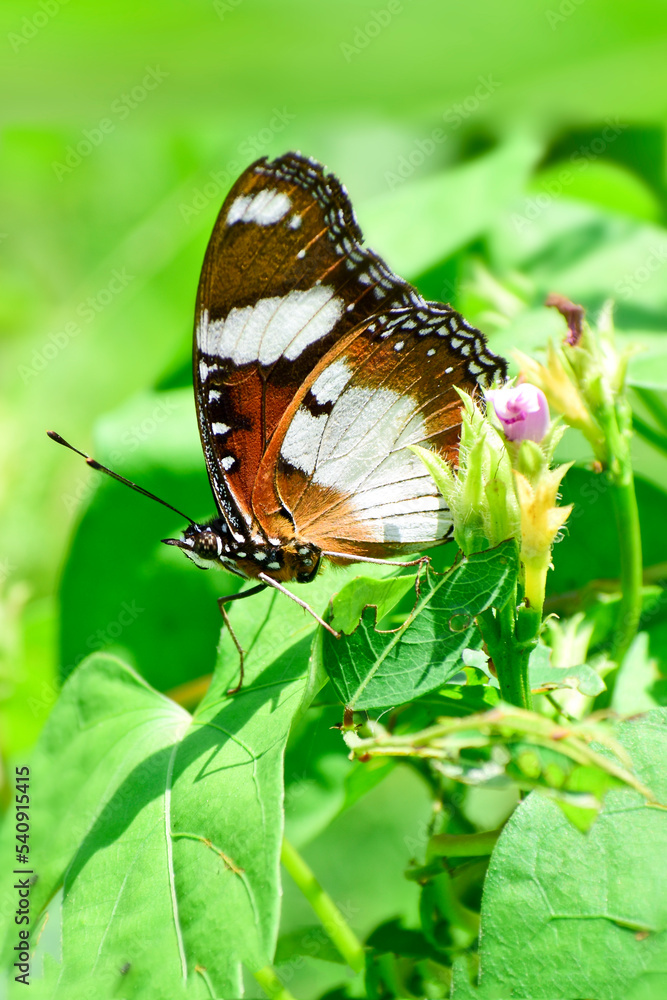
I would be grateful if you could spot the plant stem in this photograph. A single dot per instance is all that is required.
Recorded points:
(332, 919)
(462, 845)
(617, 425)
(271, 985)
(510, 636)
(624, 502)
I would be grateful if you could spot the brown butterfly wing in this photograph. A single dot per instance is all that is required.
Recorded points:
(284, 279)
(339, 461)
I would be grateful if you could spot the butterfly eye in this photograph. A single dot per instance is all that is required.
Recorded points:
(207, 545)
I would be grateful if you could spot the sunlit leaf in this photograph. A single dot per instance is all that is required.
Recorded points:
(567, 914)
(373, 669)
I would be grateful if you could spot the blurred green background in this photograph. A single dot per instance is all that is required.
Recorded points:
(494, 152)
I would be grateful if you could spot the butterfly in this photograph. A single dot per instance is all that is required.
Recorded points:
(315, 368)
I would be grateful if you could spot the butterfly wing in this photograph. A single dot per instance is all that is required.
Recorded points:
(284, 279)
(340, 459)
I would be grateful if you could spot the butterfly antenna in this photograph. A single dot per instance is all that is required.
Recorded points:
(94, 464)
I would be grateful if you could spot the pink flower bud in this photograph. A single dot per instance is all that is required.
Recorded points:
(523, 411)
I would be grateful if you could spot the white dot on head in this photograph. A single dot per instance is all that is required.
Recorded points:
(241, 555)
(273, 565)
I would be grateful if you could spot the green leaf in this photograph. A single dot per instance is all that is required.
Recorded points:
(589, 547)
(571, 915)
(602, 183)
(545, 677)
(636, 676)
(165, 828)
(311, 941)
(426, 221)
(371, 669)
(450, 701)
(316, 768)
(384, 595)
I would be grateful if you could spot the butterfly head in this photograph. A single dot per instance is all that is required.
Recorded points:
(201, 543)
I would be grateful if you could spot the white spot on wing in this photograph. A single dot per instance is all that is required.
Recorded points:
(239, 207)
(265, 208)
(227, 463)
(295, 222)
(273, 327)
(359, 449)
(219, 428)
(328, 386)
(302, 440)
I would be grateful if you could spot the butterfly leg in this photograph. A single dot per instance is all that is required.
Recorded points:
(421, 561)
(225, 617)
(283, 590)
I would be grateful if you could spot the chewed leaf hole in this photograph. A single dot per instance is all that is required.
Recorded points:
(460, 621)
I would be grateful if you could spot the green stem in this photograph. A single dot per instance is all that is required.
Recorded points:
(510, 641)
(271, 985)
(462, 845)
(624, 501)
(616, 421)
(449, 845)
(332, 919)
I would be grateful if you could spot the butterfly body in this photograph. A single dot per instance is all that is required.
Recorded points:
(315, 368)
(250, 555)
